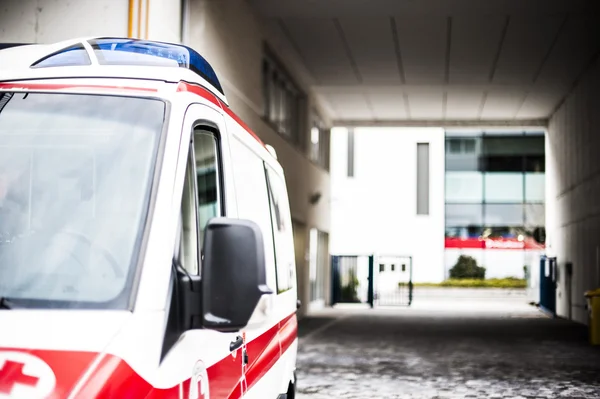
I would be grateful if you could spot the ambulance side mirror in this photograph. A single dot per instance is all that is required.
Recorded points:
(233, 273)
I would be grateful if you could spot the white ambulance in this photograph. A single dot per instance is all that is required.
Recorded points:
(146, 245)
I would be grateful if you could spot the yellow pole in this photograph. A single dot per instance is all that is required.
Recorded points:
(130, 19)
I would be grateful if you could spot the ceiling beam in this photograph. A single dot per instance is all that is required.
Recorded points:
(479, 124)
(385, 8)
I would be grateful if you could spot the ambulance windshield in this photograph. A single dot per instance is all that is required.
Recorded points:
(75, 180)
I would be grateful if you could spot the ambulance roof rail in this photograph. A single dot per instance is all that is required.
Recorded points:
(116, 51)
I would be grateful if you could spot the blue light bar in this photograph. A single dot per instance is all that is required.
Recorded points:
(114, 51)
(118, 51)
(71, 56)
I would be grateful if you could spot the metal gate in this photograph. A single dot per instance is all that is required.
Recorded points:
(393, 281)
(352, 279)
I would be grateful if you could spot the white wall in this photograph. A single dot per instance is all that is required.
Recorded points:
(35, 21)
(47, 21)
(573, 210)
(375, 212)
(499, 263)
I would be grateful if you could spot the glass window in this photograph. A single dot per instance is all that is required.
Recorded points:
(503, 187)
(513, 145)
(463, 232)
(266, 87)
(505, 232)
(75, 183)
(251, 184)
(502, 163)
(188, 220)
(464, 187)
(465, 159)
(535, 216)
(283, 237)
(207, 178)
(535, 187)
(319, 142)
(469, 146)
(503, 214)
(454, 146)
(464, 214)
(535, 163)
(282, 100)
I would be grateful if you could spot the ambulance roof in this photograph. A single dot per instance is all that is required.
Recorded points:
(109, 57)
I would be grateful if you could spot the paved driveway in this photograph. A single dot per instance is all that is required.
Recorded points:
(446, 348)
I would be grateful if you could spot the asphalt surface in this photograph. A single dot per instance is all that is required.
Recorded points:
(446, 348)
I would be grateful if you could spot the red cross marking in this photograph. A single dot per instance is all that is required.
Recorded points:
(11, 374)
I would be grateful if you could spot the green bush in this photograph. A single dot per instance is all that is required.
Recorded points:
(466, 268)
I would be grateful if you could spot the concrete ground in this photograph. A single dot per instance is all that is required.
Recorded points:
(461, 345)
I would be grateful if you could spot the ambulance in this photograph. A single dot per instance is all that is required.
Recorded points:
(146, 246)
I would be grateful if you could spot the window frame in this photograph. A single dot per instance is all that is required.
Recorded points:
(207, 127)
(281, 94)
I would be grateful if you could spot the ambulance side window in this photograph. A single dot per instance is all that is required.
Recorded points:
(201, 197)
(253, 198)
(282, 228)
(206, 152)
(188, 223)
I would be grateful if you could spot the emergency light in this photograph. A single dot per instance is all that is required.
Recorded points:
(125, 51)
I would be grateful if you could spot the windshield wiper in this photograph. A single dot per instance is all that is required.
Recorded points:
(5, 303)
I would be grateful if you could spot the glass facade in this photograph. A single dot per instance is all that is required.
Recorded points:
(495, 186)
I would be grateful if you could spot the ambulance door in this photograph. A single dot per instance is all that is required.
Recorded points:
(213, 359)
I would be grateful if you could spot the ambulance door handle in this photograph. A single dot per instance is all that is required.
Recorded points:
(239, 341)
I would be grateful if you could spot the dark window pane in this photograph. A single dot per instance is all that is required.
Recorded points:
(502, 163)
(535, 163)
(513, 145)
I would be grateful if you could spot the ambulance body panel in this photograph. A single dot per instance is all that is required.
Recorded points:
(153, 341)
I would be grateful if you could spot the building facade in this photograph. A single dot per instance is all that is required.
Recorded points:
(494, 199)
(387, 187)
(434, 195)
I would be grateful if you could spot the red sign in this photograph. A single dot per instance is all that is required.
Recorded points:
(491, 243)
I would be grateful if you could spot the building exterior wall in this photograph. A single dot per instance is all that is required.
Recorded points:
(33, 21)
(375, 210)
(232, 38)
(574, 187)
(495, 198)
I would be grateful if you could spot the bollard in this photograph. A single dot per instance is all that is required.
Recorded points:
(593, 301)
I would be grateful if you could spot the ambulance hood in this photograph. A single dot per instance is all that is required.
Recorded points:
(48, 353)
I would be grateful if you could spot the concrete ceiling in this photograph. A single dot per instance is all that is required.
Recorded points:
(391, 61)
